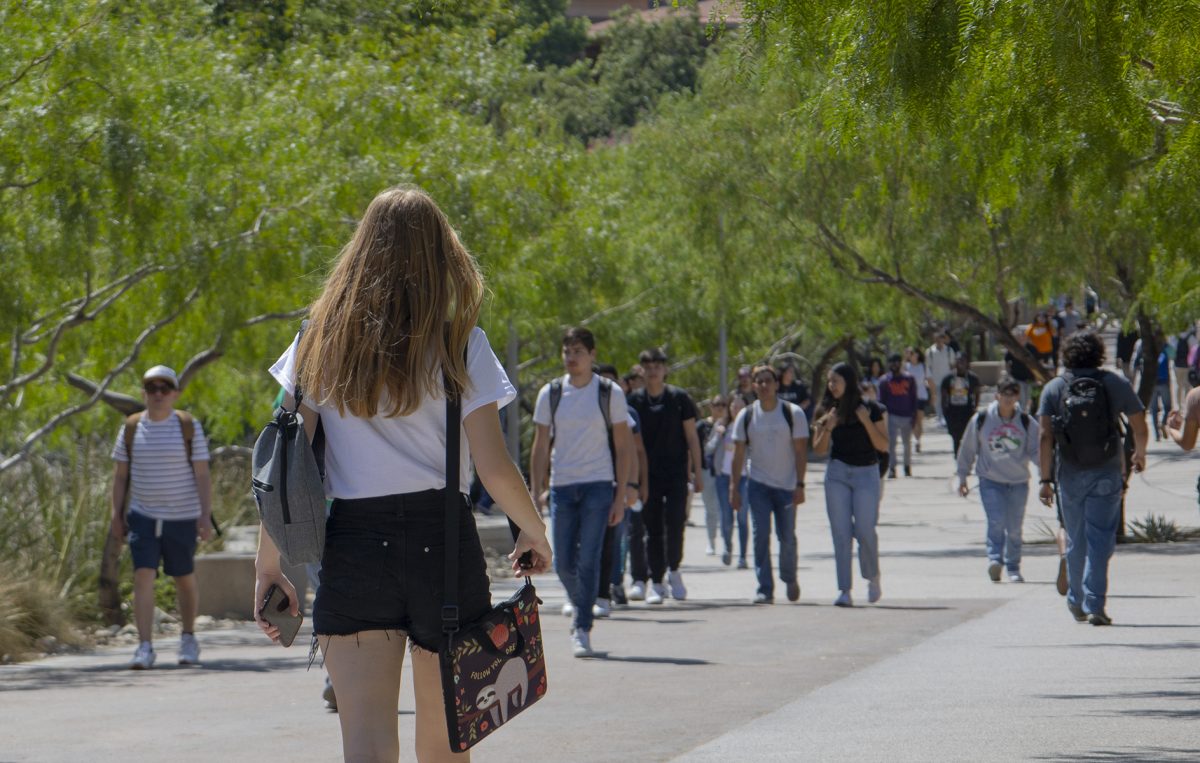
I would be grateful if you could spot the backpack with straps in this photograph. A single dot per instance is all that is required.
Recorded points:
(787, 416)
(1085, 429)
(605, 397)
(288, 481)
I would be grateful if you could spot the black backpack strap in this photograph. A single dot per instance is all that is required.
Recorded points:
(556, 390)
(977, 420)
(605, 394)
(1025, 419)
(787, 416)
(746, 424)
(450, 619)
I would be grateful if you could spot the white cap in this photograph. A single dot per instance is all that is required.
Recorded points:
(162, 372)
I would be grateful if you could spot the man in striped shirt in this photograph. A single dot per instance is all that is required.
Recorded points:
(169, 498)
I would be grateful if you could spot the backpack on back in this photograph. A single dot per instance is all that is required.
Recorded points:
(1085, 429)
(287, 478)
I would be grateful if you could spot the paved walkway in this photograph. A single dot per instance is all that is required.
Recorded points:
(949, 666)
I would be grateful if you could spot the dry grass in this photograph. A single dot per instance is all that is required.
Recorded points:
(31, 614)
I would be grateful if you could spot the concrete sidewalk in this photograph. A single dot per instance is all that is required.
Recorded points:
(948, 666)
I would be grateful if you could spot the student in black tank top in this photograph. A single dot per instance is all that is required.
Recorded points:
(853, 432)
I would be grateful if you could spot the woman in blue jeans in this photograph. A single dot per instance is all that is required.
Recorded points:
(852, 431)
(723, 448)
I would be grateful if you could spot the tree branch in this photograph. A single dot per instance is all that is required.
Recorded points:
(126, 404)
(854, 262)
(39, 60)
(27, 445)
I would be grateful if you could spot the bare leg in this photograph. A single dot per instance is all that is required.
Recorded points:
(365, 669)
(189, 601)
(143, 602)
(432, 739)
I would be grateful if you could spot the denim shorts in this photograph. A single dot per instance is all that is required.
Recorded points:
(383, 567)
(171, 541)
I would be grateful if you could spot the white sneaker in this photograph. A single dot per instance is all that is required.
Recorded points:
(602, 608)
(143, 658)
(678, 589)
(637, 591)
(581, 644)
(656, 593)
(189, 650)
(1015, 577)
(710, 551)
(874, 590)
(568, 610)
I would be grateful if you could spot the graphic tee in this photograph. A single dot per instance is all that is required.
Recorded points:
(662, 420)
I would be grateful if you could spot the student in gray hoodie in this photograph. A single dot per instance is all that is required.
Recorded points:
(1005, 439)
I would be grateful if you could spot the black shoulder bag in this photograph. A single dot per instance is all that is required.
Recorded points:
(493, 667)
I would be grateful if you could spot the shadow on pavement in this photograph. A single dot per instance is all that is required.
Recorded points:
(1128, 755)
(119, 674)
(653, 660)
(1147, 647)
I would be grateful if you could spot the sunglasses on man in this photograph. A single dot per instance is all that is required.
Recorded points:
(158, 389)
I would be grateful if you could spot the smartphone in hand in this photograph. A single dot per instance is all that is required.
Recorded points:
(276, 610)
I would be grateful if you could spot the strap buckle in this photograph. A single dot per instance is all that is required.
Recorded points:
(450, 618)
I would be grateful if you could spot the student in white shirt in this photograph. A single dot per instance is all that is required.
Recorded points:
(392, 328)
(573, 439)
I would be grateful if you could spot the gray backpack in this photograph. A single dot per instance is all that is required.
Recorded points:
(287, 477)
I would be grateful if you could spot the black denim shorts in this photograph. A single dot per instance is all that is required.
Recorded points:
(383, 567)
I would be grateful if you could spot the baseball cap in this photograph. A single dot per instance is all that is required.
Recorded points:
(163, 373)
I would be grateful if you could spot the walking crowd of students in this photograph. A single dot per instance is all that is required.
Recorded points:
(748, 461)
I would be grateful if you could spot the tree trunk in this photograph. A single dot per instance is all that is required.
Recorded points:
(109, 588)
(824, 363)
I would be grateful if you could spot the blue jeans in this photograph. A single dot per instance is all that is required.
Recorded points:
(1091, 509)
(852, 496)
(765, 502)
(1004, 505)
(579, 514)
(743, 519)
(620, 549)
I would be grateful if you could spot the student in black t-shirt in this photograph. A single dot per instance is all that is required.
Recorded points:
(669, 430)
(791, 389)
(668, 420)
(853, 432)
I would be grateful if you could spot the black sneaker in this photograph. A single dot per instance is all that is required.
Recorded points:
(1099, 618)
(618, 596)
(793, 591)
(908, 471)
(1077, 612)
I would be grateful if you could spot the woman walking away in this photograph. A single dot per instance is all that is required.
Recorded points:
(723, 454)
(392, 329)
(853, 432)
(915, 367)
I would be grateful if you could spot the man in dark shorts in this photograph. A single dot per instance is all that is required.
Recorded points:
(162, 469)
(668, 419)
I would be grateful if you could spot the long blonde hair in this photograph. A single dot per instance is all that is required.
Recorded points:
(396, 310)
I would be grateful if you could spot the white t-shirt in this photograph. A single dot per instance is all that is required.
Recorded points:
(939, 363)
(162, 482)
(580, 453)
(917, 372)
(772, 452)
(403, 454)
